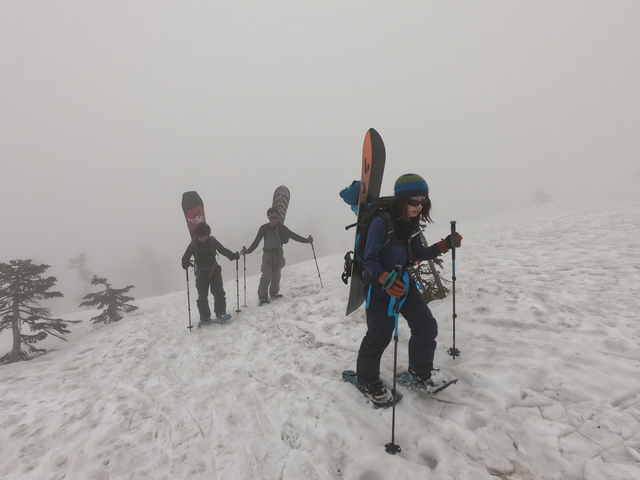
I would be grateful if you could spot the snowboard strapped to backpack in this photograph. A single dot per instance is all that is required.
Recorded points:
(360, 194)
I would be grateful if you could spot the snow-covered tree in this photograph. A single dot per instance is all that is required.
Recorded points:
(21, 288)
(112, 301)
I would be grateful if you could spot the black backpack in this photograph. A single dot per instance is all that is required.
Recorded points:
(353, 260)
(209, 254)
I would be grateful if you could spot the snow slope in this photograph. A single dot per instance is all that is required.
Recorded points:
(548, 328)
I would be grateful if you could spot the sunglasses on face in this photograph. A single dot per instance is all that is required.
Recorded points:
(416, 203)
(273, 217)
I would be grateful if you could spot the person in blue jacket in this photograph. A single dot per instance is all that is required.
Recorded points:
(411, 205)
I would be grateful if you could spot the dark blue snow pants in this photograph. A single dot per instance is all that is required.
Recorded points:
(424, 330)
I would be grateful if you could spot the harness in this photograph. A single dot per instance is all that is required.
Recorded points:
(271, 238)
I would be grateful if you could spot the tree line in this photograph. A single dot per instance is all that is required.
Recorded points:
(23, 286)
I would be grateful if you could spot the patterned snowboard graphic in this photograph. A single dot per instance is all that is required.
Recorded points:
(281, 199)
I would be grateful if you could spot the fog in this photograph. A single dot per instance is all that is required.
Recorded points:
(111, 110)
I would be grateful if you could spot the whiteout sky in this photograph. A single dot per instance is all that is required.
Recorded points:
(109, 111)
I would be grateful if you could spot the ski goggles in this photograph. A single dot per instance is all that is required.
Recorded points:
(416, 203)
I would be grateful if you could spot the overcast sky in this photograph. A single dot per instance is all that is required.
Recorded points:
(110, 110)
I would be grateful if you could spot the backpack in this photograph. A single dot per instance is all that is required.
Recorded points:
(353, 260)
(204, 253)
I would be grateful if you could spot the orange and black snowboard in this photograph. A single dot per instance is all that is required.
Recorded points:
(373, 160)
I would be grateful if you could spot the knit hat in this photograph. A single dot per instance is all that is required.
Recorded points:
(410, 185)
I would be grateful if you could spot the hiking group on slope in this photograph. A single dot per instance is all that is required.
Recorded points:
(204, 248)
(392, 291)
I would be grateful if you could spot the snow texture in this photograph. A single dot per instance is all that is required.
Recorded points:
(547, 303)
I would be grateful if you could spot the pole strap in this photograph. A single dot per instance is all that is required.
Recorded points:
(392, 311)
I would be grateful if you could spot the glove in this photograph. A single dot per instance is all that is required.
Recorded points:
(309, 239)
(396, 290)
(187, 264)
(445, 244)
(243, 251)
(234, 256)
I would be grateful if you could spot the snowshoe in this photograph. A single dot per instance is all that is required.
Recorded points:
(428, 383)
(204, 322)
(375, 390)
(222, 317)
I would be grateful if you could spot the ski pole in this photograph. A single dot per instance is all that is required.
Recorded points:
(318, 268)
(453, 351)
(244, 263)
(392, 448)
(188, 299)
(237, 286)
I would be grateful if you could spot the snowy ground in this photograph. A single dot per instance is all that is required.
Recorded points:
(548, 327)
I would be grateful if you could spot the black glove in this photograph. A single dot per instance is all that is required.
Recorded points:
(234, 256)
(457, 238)
(445, 244)
(187, 264)
(309, 239)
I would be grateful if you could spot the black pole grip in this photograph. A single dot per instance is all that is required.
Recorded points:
(453, 239)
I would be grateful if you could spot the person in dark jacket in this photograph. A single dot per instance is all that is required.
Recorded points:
(411, 205)
(275, 234)
(203, 248)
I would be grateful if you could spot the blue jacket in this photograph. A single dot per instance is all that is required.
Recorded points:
(377, 262)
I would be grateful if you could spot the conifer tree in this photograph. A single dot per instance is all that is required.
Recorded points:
(112, 300)
(79, 264)
(541, 196)
(21, 288)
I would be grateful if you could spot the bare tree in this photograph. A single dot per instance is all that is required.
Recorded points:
(429, 278)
